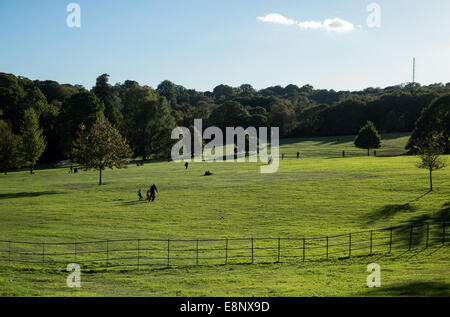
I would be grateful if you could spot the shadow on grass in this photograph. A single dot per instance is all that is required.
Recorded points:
(27, 194)
(389, 211)
(134, 202)
(413, 289)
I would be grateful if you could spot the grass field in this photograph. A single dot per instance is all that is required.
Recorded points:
(320, 194)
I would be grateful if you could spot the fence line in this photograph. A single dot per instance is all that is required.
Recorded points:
(138, 253)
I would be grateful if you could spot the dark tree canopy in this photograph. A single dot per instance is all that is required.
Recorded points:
(145, 115)
(434, 121)
(368, 138)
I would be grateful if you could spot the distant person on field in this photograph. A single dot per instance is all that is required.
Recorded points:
(153, 191)
(140, 195)
(298, 155)
(282, 156)
(186, 165)
(148, 195)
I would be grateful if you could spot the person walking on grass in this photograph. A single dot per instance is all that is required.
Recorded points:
(298, 155)
(148, 195)
(153, 190)
(140, 195)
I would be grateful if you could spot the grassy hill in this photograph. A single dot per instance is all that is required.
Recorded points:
(318, 195)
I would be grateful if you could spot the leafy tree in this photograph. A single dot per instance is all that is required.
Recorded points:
(105, 92)
(10, 145)
(368, 138)
(81, 108)
(101, 147)
(283, 116)
(230, 114)
(433, 122)
(430, 158)
(33, 142)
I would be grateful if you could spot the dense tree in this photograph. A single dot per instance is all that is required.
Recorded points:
(368, 138)
(105, 92)
(81, 108)
(10, 145)
(434, 121)
(33, 142)
(283, 116)
(230, 114)
(100, 147)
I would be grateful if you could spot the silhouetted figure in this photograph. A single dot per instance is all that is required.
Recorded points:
(140, 195)
(270, 160)
(148, 195)
(282, 156)
(153, 191)
(186, 165)
(298, 155)
(375, 153)
(343, 153)
(208, 173)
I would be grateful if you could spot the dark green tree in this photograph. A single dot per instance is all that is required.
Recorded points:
(105, 92)
(368, 138)
(33, 142)
(433, 122)
(10, 145)
(81, 108)
(100, 147)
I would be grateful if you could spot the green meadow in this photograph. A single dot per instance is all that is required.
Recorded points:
(319, 194)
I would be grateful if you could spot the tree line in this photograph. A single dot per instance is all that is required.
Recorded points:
(146, 116)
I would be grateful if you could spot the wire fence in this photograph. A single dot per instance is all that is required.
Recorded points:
(140, 253)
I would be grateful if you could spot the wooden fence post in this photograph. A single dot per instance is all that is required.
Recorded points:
(349, 244)
(226, 252)
(390, 242)
(252, 251)
(410, 237)
(196, 258)
(304, 244)
(168, 252)
(107, 252)
(279, 243)
(138, 253)
(443, 234)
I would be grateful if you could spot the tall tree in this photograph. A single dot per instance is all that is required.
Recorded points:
(33, 142)
(434, 121)
(368, 138)
(100, 147)
(105, 92)
(10, 144)
(430, 159)
(81, 108)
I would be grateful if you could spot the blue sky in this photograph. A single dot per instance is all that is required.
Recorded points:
(202, 43)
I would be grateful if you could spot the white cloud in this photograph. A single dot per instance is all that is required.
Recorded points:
(331, 25)
(338, 25)
(276, 19)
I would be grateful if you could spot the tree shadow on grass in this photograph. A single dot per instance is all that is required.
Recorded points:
(389, 211)
(27, 194)
(412, 289)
